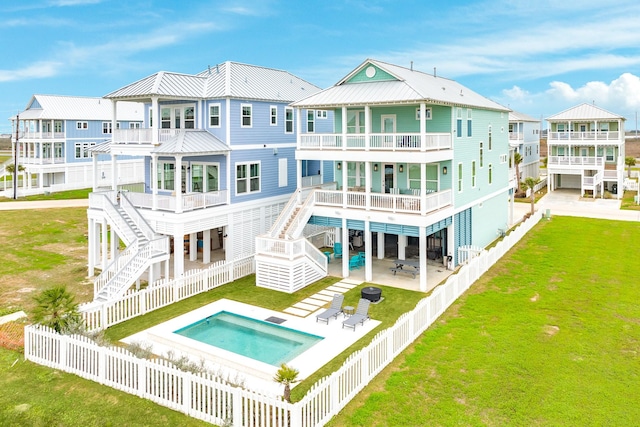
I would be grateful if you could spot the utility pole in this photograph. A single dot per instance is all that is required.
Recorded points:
(15, 159)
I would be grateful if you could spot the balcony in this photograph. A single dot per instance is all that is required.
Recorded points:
(190, 201)
(584, 136)
(41, 161)
(143, 136)
(516, 136)
(397, 203)
(39, 135)
(380, 142)
(575, 162)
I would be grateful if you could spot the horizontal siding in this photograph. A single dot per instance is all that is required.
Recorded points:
(260, 132)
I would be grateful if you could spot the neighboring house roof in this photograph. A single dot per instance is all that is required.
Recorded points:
(403, 86)
(102, 148)
(229, 79)
(584, 112)
(515, 116)
(55, 107)
(192, 142)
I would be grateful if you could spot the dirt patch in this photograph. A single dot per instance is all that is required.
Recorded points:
(551, 329)
(535, 298)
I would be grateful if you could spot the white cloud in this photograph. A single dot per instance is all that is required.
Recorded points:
(63, 3)
(36, 70)
(516, 93)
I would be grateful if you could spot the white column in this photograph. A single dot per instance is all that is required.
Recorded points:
(298, 174)
(402, 246)
(344, 128)
(105, 241)
(381, 238)
(367, 127)
(114, 171)
(178, 252)
(422, 239)
(423, 125)
(155, 118)
(154, 182)
(368, 263)
(206, 246)
(345, 248)
(91, 248)
(177, 183)
(94, 169)
(451, 246)
(193, 246)
(114, 244)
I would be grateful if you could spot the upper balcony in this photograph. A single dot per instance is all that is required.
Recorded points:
(575, 162)
(39, 135)
(567, 137)
(143, 136)
(170, 203)
(380, 142)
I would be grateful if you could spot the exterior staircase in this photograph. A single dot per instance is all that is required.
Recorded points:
(285, 259)
(143, 247)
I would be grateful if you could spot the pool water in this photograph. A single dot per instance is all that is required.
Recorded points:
(263, 341)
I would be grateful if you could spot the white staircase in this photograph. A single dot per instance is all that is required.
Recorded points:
(144, 248)
(285, 260)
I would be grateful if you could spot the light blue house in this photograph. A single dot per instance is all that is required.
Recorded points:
(54, 137)
(416, 160)
(524, 138)
(219, 150)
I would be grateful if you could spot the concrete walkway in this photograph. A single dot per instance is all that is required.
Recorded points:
(43, 204)
(322, 298)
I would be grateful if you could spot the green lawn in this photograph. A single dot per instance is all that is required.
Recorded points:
(549, 336)
(61, 195)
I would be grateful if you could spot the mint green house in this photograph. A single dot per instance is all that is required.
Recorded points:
(417, 163)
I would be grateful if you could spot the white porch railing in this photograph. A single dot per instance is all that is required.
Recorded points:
(383, 141)
(575, 161)
(190, 202)
(310, 181)
(39, 135)
(211, 401)
(589, 182)
(143, 135)
(584, 136)
(516, 136)
(41, 161)
(385, 202)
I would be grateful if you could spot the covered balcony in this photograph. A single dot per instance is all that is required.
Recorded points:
(575, 162)
(612, 136)
(145, 136)
(413, 203)
(380, 141)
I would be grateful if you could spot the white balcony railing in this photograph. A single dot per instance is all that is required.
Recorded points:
(385, 202)
(39, 135)
(190, 201)
(143, 135)
(384, 141)
(575, 161)
(516, 136)
(41, 161)
(584, 136)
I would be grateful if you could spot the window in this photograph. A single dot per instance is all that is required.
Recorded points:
(82, 125)
(204, 177)
(355, 121)
(58, 149)
(106, 127)
(288, 120)
(491, 139)
(134, 125)
(321, 114)
(274, 115)
(165, 118)
(245, 110)
(414, 176)
(473, 174)
(189, 118)
(481, 154)
(609, 157)
(57, 126)
(503, 158)
(490, 173)
(311, 121)
(214, 116)
(469, 127)
(427, 113)
(117, 125)
(459, 177)
(459, 123)
(81, 149)
(166, 176)
(247, 178)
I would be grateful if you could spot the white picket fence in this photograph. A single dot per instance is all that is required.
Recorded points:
(101, 315)
(203, 397)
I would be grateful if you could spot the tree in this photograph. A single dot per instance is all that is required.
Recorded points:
(286, 375)
(517, 159)
(530, 183)
(57, 309)
(10, 168)
(629, 161)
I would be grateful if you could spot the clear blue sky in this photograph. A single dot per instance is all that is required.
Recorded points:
(537, 57)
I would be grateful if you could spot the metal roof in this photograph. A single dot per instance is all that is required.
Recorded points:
(55, 107)
(192, 142)
(229, 79)
(102, 148)
(584, 112)
(409, 86)
(515, 116)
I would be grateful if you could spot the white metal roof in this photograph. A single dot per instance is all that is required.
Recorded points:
(229, 79)
(55, 107)
(409, 86)
(584, 112)
(515, 116)
(192, 142)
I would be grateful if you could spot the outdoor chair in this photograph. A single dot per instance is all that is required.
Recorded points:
(337, 250)
(354, 262)
(361, 314)
(333, 310)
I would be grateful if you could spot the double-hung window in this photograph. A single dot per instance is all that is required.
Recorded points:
(214, 116)
(459, 177)
(82, 125)
(469, 123)
(490, 141)
(81, 149)
(481, 154)
(245, 113)
(274, 115)
(288, 120)
(106, 127)
(473, 174)
(459, 123)
(247, 178)
(311, 114)
(490, 173)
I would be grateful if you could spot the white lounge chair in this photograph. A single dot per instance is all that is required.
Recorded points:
(361, 314)
(333, 310)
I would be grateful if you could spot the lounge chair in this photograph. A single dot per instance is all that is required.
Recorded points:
(337, 250)
(361, 314)
(333, 310)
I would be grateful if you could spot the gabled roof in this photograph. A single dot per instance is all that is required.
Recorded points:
(229, 79)
(515, 116)
(584, 112)
(193, 143)
(397, 85)
(55, 107)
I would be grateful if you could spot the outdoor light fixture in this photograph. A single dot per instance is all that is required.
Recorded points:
(375, 167)
(444, 170)
(339, 166)
(401, 168)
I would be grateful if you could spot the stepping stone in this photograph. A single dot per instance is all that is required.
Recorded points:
(324, 298)
(304, 306)
(335, 289)
(346, 286)
(328, 293)
(314, 302)
(296, 312)
(351, 282)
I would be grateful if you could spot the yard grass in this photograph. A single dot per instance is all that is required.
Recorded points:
(549, 336)
(627, 201)
(61, 195)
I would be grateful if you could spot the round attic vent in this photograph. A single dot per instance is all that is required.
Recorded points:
(371, 71)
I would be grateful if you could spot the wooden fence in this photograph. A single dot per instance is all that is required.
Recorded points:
(206, 398)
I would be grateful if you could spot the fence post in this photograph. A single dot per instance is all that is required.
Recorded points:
(102, 365)
(62, 351)
(186, 392)
(142, 301)
(295, 414)
(103, 316)
(142, 377)
(237, 407)
(334, 390)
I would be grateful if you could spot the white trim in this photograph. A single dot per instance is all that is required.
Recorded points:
(242, 116)
(273, 116)
(217, 104)
(248, 178)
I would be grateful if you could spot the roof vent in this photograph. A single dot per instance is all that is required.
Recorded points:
(209, 68)
(434, 72)
(461, 92)
(411, 65)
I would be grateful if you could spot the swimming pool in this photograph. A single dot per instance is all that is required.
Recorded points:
(263, 341)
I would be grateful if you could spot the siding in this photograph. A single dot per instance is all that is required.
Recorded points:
(260, 132)
(488, 218)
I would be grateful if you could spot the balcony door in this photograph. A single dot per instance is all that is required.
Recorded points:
(388, 125)
(389, 177)
(177, 117)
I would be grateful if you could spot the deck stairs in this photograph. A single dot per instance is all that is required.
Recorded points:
(143, 248)
(285, 252)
